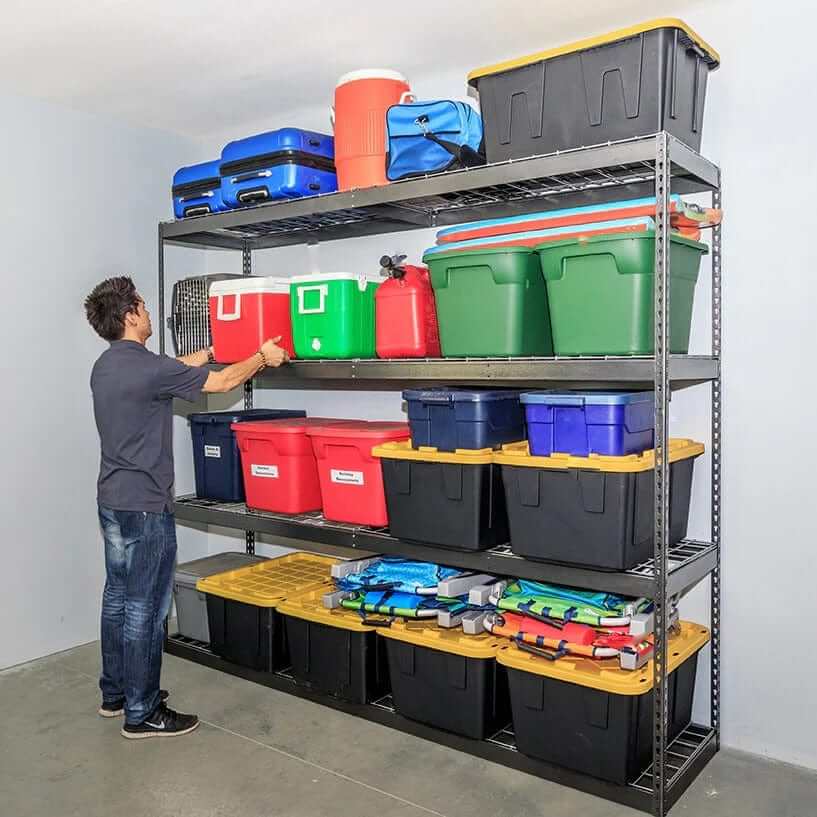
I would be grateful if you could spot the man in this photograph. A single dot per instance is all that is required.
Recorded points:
(133, 391)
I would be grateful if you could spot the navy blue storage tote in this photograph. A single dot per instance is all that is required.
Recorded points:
(429, 137)
(216, 456)
(196, 190)
(448, 419)
(583, 423)
(282, 164)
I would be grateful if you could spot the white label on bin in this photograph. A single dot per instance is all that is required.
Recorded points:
(212, 451)
(268, 471)
(347, 477)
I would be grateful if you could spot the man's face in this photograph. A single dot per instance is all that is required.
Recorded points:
(142, 316)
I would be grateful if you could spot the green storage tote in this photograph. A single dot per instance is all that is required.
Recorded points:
(333, 315)
(600, 292)
(491, 303)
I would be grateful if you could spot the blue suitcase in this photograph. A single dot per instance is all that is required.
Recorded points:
(196, 190)
(281, 164)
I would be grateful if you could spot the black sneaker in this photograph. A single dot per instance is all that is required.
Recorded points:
(161, 723)
(116, 708)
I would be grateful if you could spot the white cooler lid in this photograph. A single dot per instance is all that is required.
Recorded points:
(320, 277)
(252, 285)
(372, 73)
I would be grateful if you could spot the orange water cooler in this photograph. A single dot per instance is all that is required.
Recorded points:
(359, 117)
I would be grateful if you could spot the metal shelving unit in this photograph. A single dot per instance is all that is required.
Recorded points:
(651, 165)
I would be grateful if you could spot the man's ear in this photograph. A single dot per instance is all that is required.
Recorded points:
(130, 319)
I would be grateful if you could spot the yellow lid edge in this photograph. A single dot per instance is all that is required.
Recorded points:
(342, 619)
(618, 681)
(593, 42)
(402, 450)
(476, 646)
(516, 454)
(214, 585)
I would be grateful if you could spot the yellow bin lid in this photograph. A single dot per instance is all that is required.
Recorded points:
(606, 675)
(309, 607)
(452, 641)
(709, 53)
(266, 584)
(402, 450)
(519, 454)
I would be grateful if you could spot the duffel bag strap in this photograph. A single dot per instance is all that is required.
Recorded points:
(464, 154)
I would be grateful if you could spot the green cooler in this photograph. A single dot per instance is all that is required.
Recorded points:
(333, 315)
(600, 292)
(490, 303)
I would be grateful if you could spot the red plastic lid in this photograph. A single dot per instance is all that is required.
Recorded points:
(291, 425)
(363, 428)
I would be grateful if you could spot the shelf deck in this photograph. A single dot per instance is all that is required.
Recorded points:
(686, 755)
(516, 372)
(617, 170)
(690, 560)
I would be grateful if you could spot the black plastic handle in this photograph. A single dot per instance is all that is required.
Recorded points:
(551, 655)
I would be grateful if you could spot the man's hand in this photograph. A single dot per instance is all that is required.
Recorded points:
(274, 355)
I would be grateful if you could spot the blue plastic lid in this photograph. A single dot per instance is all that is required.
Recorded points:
(449, 395)
(197, 173)
(227, 417)
(586, 398)
(554, 214)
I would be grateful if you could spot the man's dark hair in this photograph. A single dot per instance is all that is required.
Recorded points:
(108, 304)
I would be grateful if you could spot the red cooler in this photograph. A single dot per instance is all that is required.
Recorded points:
(244, 312)
(405, 313)
(280, 470)
(351, 478)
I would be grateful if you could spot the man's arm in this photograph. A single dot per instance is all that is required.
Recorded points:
(270, 354)
(200, 358)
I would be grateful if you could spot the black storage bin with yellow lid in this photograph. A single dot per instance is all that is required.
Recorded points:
(245, 626)
(594, 717)
(333, 650)
(631, 82)
(448, 679)
(594, 511)
(453, 499)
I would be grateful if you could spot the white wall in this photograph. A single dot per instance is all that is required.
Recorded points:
(83, 195)
(760, 129)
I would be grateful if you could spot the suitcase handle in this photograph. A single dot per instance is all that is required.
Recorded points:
(231, 316)
(197, 210)
(322, 290)
(256, 194)
(256, 174)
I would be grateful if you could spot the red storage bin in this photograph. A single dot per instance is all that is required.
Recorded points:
(244, 312)
(351, 478)
(279, 465)
(405, 313)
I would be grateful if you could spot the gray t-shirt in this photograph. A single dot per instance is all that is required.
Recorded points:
(133, 393)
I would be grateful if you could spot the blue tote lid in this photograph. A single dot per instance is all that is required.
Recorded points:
(586, 398)
(449, 395)
(227, 417)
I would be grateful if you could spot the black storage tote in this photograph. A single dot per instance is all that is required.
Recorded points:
(631, 82)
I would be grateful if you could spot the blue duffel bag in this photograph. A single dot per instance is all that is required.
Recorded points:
(429, 137)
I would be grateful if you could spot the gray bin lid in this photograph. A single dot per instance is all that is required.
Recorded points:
(190, 572)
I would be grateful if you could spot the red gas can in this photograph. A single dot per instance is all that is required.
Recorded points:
(351, 478)
(244, 312)
(405, 312)
(279, 465)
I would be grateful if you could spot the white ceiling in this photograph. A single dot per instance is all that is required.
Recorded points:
(200, 67)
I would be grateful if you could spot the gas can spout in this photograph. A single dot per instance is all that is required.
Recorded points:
(391, 266)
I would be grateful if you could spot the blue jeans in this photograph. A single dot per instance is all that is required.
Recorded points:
(140, 556)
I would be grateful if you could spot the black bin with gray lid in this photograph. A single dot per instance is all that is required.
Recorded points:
(191, 604)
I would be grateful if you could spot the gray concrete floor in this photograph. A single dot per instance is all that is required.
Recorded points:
(262, 753)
